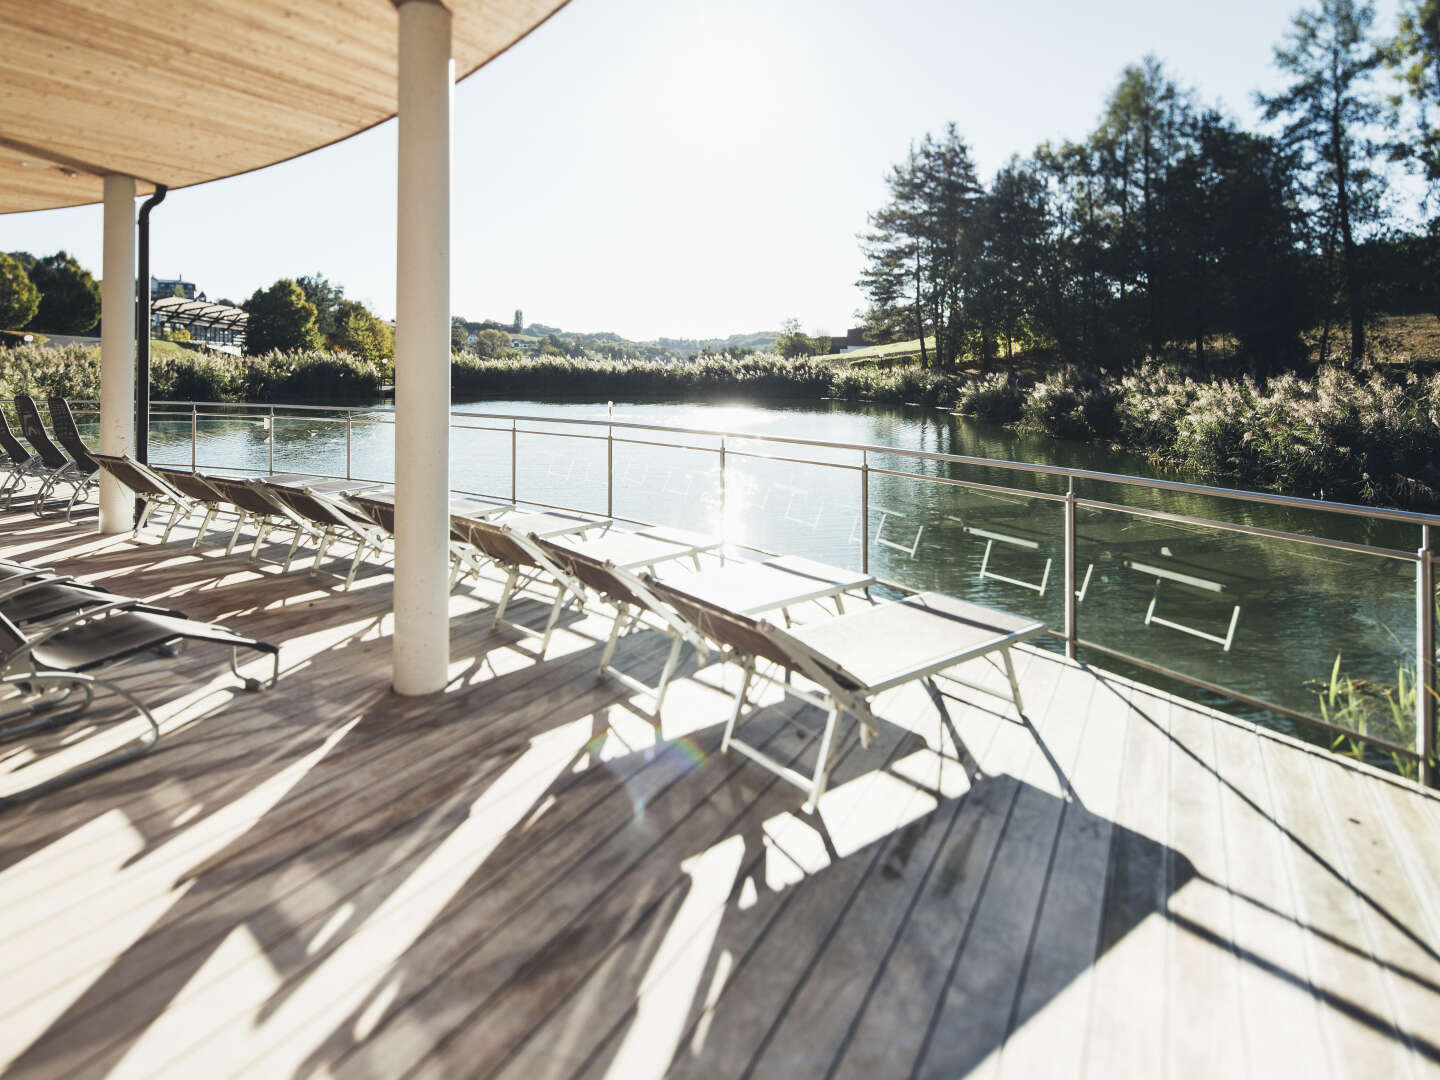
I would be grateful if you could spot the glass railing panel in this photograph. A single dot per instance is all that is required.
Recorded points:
(480, 457)
(1245, 612)
(998, 549)
(308, 443)
(792, 509)
(372, 447)
(667, 485)
(561, 465)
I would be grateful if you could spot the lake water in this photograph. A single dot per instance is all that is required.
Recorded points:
(1299, 606)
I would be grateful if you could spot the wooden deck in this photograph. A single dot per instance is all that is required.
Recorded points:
(523, 877)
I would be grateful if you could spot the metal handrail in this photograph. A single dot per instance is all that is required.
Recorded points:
(725, 446)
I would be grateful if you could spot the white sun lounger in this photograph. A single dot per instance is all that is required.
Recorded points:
(855, 657)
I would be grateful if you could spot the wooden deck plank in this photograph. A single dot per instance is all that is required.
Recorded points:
(1046, 1035)
(1354, 1017)
(974, 1013)
(1393, 920)
(642, 1031)
(1280, 1016)
(1203, 993)
(1131, 963)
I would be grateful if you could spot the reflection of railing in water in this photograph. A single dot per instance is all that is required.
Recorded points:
(727, 447)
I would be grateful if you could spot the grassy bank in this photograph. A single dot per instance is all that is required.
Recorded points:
(1370, 436)
(191, 375)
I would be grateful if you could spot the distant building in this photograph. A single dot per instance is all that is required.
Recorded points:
(168, 287)
(216, 326)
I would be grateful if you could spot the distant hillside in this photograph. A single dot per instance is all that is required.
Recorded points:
(763, 341)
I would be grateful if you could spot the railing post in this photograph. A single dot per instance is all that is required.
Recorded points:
(1072, 632)
(723, 515)
(609, 472)
(1425, 659)
(864, 512)
(271, 460)
(349, 426)
(193, 426)
(514, 442)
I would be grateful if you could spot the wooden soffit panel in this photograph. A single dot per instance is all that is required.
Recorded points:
(178, 94)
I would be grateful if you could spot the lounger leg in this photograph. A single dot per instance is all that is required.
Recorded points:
(177, 515)
(555, 609)
(1014, 682)
(290, 555)
(204, 526)
(615, 628)
(234, 535)
(822, 761)
(262, 530)
(326, 539)
(670, 663)
(144, 517)
(739, 706)
(360, 549)
(505, 597)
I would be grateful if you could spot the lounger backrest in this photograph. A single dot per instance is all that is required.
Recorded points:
(751, 637)
(129, 472)
(592, 572)
(239, 493)
(308, 504)
(66, 430)
(35, 435)
(189, 484)
(17, 454)
(382, 513)
(746, 636)
(494, 540)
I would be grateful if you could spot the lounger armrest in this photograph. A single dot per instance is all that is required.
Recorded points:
(35, 579)
(69, 622)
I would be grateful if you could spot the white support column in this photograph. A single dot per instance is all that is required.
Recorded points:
(117, 349)
(422, 351)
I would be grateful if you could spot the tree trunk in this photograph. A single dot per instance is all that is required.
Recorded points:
(1347, 235)
(920, 314)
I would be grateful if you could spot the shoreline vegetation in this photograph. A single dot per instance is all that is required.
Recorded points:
(1356, 435)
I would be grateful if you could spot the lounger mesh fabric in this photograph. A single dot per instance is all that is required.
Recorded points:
(57, 467)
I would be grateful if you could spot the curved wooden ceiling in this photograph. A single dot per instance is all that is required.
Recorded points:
(182, 93)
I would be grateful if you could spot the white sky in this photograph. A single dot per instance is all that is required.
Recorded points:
(695, 168)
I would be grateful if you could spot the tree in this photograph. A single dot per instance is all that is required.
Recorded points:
(19, 298)
(914, 245)
(358, 331)
(1416, 53)
(326, 296)
(1330, 110)
(794, 342)
(69, 295)
(280, 318)
(492, 343)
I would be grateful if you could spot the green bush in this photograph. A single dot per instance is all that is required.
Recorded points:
(997, 397)
(1071, 405)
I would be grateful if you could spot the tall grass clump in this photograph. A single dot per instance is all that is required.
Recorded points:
(995, 397)
(71, 371)
(1071, 404)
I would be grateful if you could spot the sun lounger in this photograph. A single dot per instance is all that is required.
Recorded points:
(378, 506)
(852, 658)
(311, 503)
(57, 467)
(632, 599)
(19, 464)
(152, 489)
(47, 661)
(253, 507)
(524, 562)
